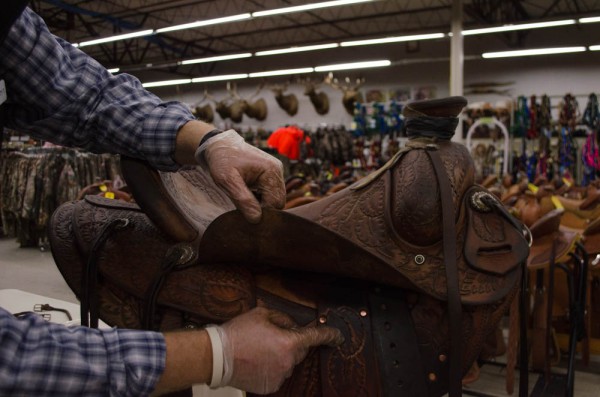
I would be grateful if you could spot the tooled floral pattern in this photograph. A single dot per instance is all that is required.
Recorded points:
(346, 365)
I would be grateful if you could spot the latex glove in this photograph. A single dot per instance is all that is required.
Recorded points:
(262, 347)
(237, 167)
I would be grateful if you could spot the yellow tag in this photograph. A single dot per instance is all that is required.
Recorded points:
(532, 187)
(103, 188)
(566, 182)
(307, 194)
(109, 195)
(556, 202)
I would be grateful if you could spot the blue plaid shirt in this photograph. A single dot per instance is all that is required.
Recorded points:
(38, 358)
(59, 94)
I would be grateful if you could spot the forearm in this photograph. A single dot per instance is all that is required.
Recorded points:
(188, 139)
(188, 362)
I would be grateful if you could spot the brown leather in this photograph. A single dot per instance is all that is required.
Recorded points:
(387, 229)
(575, 217)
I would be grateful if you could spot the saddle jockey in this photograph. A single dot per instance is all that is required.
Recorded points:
(57, 93)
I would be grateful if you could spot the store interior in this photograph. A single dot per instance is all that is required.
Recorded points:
(532, 127)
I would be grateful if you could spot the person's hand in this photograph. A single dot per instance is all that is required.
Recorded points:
(262, 347)
(238, 167)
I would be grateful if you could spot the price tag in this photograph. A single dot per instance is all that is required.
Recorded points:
(109, 195)
(103, 188)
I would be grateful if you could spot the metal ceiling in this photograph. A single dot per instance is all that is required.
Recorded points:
(80, 20)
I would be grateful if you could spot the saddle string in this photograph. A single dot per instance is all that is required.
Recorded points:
(177, 256)
(492, 203)
(89, 294)
(452, 284)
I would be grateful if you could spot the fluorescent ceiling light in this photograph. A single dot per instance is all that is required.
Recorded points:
(538, 51)
(393, 39)
(282, 72)
(207, 22)
(594, 48)
(306, 7)
(125, 36)
(507, 28)
(216, 58)
(589, 20)
(297, 49)
(114, 70)
(166, 82)
(220, 78)
(354, 65)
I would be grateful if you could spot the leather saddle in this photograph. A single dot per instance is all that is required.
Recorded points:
(415, 263)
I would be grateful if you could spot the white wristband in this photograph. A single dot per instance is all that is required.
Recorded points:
(217, 354)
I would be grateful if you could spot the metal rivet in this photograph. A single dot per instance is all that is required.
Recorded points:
(442, 357)
(396, 363)
(432, 377)
(322, 319)
(419, 259)
(363, 313)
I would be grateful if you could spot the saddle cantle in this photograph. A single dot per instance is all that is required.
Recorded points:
(415, 264)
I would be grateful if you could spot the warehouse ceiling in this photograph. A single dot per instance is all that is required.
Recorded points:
(82, 20)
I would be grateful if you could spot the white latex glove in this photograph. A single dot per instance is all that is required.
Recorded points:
(238, 167)
(261, 348)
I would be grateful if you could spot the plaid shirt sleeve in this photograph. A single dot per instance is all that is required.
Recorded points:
(38, 358)
(59, 94)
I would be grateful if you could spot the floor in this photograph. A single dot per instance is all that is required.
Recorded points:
(32, 270)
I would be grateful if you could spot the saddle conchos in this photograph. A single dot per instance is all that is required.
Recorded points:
(415, 264)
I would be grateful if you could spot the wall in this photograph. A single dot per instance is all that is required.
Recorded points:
(552, 75)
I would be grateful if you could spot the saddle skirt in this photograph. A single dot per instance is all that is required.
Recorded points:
(382, 238)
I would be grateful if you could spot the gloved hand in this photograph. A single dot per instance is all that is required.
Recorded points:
(262, 347)
(237, 167)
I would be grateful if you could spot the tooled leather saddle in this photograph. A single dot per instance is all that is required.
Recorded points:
(415, 264)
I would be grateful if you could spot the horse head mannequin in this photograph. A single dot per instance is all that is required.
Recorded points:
(320, 100)
(202, 110)
(258, 109)
(288, 102)
(351, 91)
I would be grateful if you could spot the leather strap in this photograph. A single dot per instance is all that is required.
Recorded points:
(89, 290)
(396, 345)
(449, 246)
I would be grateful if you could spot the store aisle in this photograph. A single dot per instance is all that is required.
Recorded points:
(31, 270)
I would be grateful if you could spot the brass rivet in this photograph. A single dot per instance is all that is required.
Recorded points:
(432, 377)
(442, 357)
(323, 319)
(419, 259)
(363, 313)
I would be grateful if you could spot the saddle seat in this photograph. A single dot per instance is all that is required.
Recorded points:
(382, 237)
